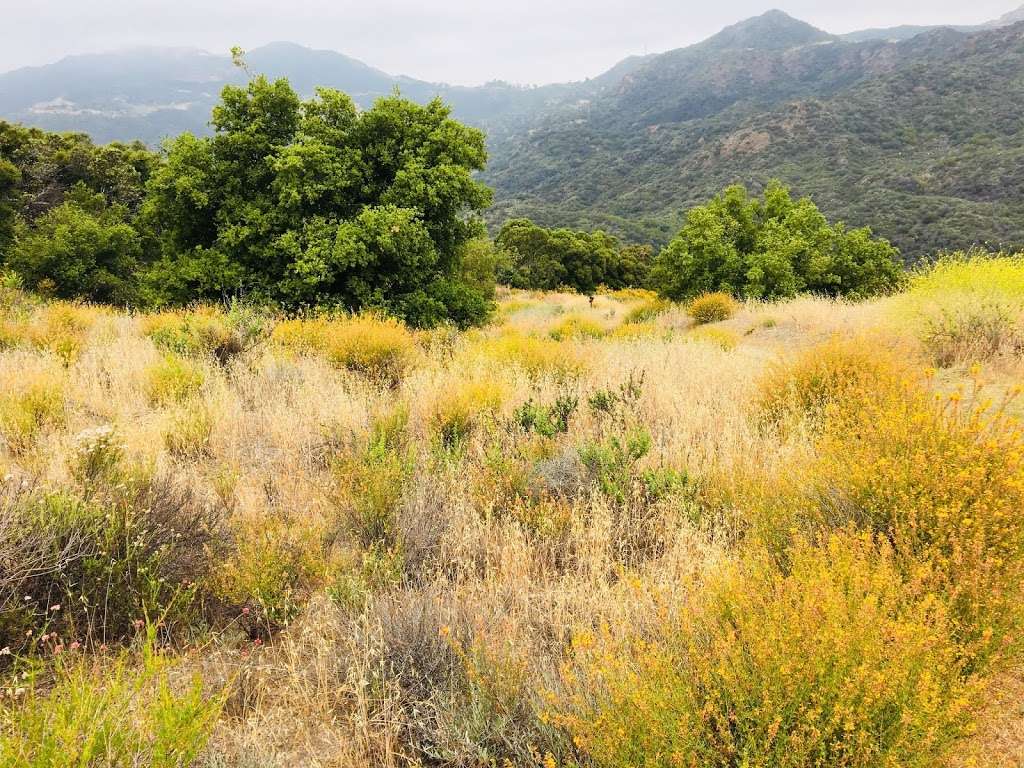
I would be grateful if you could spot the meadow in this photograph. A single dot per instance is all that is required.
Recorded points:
(613, 533)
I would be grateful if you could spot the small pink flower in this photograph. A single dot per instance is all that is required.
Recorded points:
(138, 623)
(75, 645)
(245, 611)
(55, 607)
(257, 642)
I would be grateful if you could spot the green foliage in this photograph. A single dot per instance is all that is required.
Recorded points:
(316, 203)
(546, 420)
(543, 259)
(82, 248)
(118, 713)
(769, 249)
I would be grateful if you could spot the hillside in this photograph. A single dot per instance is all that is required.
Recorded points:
(544, 542)
(864, 122)
(920, 139)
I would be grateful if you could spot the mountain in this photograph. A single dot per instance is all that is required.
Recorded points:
(907, 31)
(921, 139)
(151, 94)
(919, 135)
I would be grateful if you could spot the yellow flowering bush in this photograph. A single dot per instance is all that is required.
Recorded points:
(458, 411)
(712, 308)
(836, 371)
(577, 327)
(535, 355)
(380, 347)
(944, 480)
(28, 407)
(832, 660)
(172, 379)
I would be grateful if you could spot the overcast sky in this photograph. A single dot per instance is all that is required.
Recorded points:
(455, 41)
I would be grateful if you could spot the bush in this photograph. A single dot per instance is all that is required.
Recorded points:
(647, 311)
(277, 561)
(945, 483)
(115, 712)
(711, 308)
(379, 347)
(834, 660)
(89, 563)
(56, 327)
(830, 373)
(458, 412)
(534, 355)
(576, 327)
(188, 435)
(967, 307)
(30, 406)
(203, 331)
(172, 380)
(373, 482)
(722, 338)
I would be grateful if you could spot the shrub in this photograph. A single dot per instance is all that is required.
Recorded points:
(720, 337)
(203, 331)
(967, 307)
(835, 371)
(88, 564)
(115, 712)
(945, 483)
(372, 483)
(577, 327)
(458, 412)
(546, 420)
(834, 660)
(277, 561)
(172, 380)
(534, 355)
(711, 308)
(57, 327)
(188, 435)
(647, 311)
(379, 347)
(30, 406)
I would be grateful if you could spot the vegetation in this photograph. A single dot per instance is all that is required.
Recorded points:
(770, 249)
(254, 539)
(297, 203)
(548, 260)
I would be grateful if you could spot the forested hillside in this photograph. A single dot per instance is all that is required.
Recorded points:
(922, 139)
(914, 131)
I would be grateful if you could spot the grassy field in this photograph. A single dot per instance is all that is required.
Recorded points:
(587, 534)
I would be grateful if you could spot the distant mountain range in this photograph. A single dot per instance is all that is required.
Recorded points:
(918, 131)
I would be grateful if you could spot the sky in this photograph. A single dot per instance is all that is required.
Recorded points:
(453, 41)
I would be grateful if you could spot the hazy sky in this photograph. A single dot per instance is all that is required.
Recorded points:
(455, 41)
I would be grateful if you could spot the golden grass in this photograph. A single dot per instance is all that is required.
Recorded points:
(411, 571)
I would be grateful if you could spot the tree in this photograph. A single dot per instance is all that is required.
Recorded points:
(9, 178)
(553, 259)
(82, 248)
(312, 202)
(771, 248)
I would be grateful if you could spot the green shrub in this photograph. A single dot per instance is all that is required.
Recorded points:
(117, 712)
(90, 564)
(172, 380)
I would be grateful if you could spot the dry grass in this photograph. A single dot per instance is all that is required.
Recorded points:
(422, 525)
